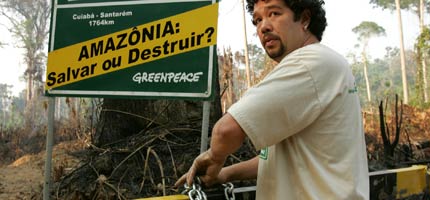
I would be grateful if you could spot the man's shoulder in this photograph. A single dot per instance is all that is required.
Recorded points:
(314, 54)
(322, 51)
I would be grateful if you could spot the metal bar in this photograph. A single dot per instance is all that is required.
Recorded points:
(205, 126)
(49, 143)
(245, 189)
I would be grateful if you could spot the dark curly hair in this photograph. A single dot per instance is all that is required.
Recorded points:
(318, 19)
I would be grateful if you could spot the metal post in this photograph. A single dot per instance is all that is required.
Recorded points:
(49, 143)
(205, 126)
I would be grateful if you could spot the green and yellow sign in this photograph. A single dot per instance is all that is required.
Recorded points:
(142, 48)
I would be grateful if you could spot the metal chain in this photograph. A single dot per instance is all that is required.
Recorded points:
(228, 191)
(195, 191)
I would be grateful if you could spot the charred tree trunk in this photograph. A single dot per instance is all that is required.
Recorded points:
(390, 145)
(121, 118)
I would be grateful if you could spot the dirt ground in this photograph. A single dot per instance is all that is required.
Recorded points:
(23, 179)
(20, 180)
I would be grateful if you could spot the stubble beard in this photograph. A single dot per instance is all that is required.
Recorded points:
(276, 53)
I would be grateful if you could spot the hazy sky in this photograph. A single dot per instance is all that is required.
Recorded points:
(342, 16)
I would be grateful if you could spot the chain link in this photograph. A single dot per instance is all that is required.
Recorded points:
(228, 191)
(195, 191)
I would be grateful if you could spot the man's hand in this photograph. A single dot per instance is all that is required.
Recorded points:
(227, 137)
(206, 167)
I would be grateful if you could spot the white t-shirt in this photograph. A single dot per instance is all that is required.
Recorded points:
(305, 117)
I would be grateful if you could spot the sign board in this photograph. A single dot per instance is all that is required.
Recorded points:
(142, 48)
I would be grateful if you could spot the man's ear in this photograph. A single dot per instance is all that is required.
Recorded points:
(305, 19)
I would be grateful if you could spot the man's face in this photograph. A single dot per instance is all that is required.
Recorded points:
(278, 32)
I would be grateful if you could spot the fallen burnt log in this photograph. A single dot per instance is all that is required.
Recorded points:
(423, 144)
(142, 165)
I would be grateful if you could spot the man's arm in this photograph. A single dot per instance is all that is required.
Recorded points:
(227, 137)
(240, 171)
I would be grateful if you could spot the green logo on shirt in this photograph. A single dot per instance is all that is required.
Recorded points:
(264, 153)
(352, 90)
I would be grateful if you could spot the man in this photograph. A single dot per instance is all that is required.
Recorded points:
(305, 116)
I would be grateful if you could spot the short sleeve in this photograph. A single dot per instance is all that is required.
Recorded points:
(284, 103)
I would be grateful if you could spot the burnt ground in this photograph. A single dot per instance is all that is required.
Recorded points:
(148, 164)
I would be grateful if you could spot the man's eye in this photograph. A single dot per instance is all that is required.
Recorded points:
(256, 21)
(273, 14)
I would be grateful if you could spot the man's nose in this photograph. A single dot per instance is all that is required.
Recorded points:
(266, 26)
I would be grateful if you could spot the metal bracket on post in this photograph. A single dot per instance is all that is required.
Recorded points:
(49, 144)
(205, 126)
